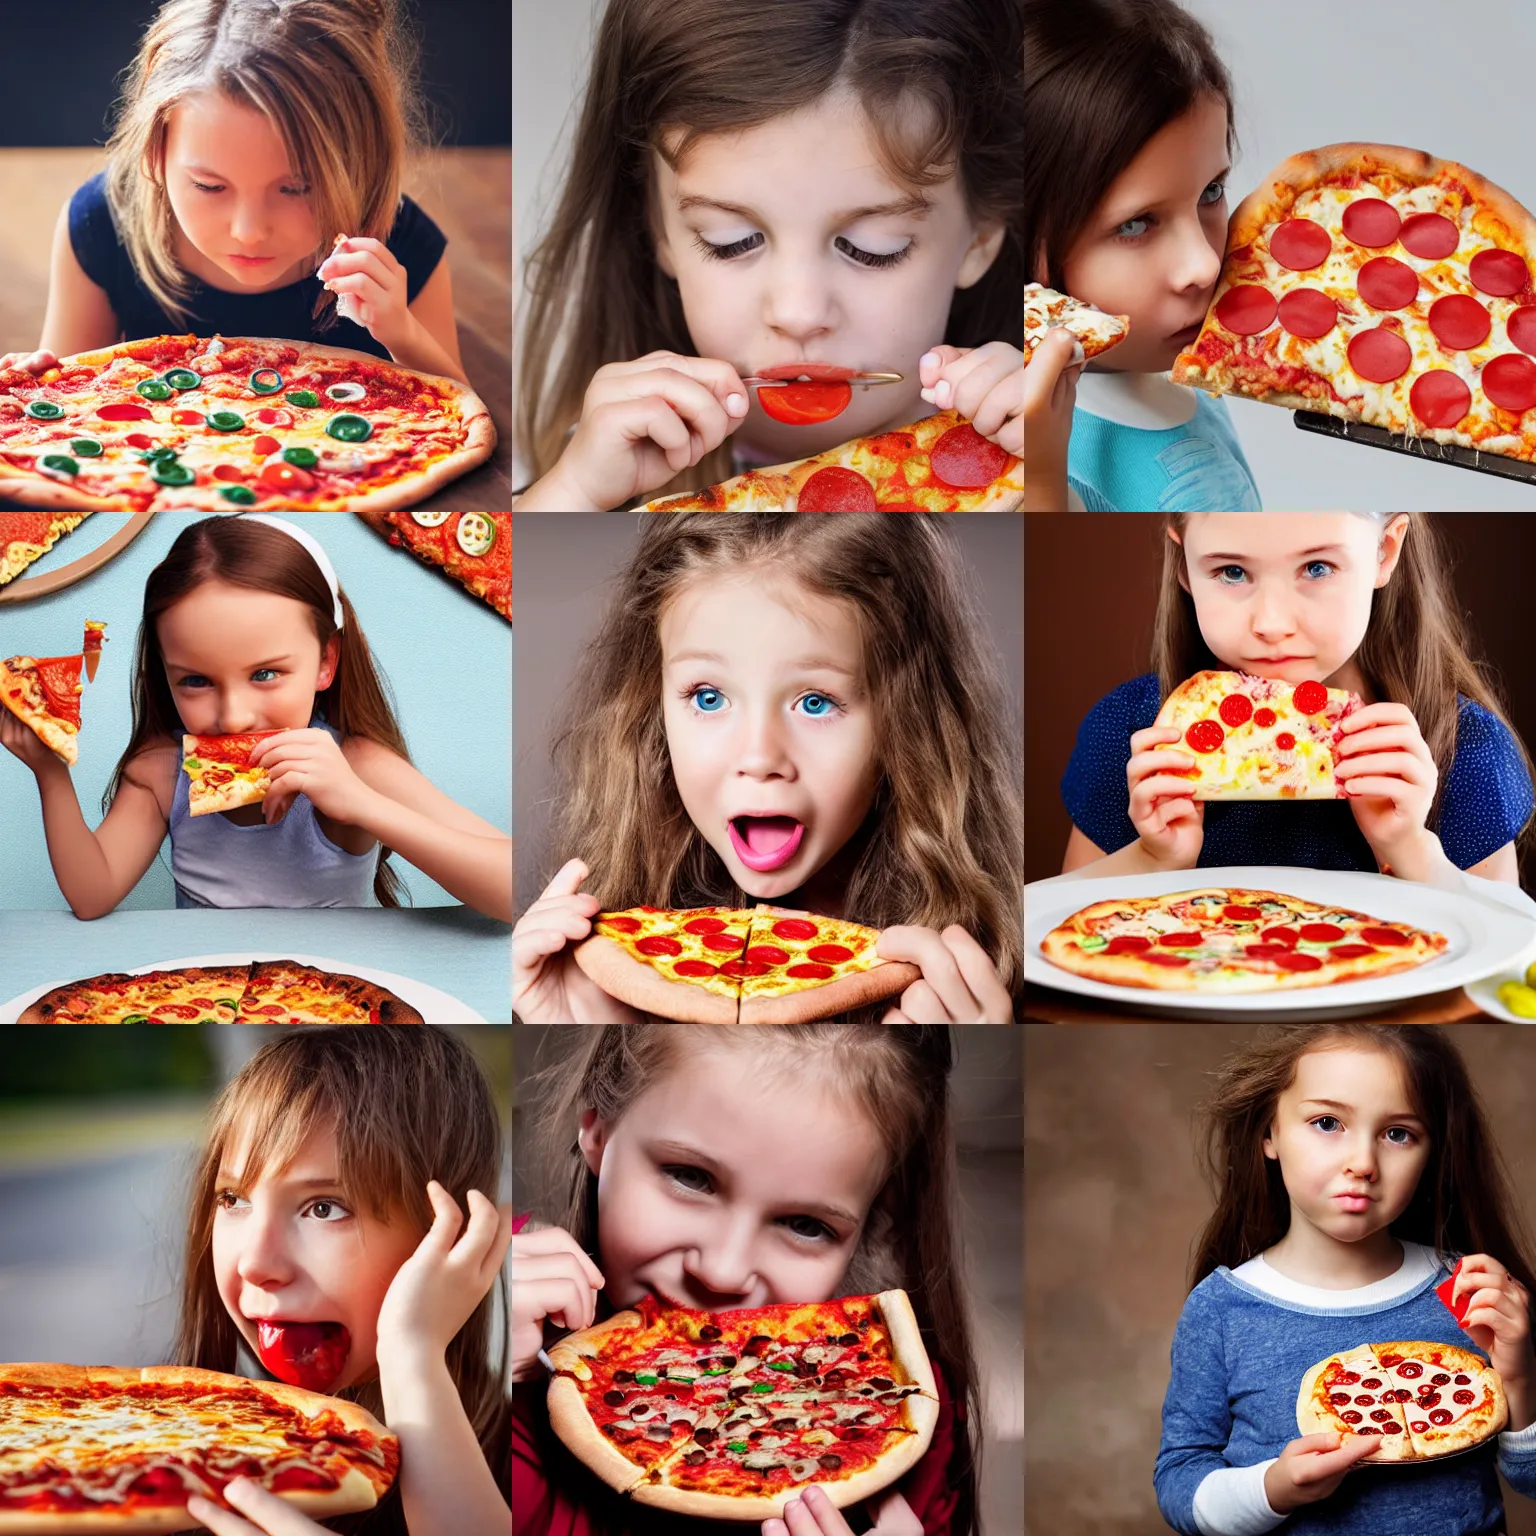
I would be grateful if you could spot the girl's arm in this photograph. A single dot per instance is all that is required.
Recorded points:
(1501, 864)
(417, 334)
(432, 345)
(79, 317)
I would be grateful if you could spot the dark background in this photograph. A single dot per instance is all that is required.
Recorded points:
(61, 66)
(1090, 582)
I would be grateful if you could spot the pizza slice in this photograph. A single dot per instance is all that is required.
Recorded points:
(28, 536)
(1352, 1393)
(799, 968)
(221, 774)
(1257, 738)
(1452, 1398)
(199, 995)
(681, 965)
(474, 548)
(1045, 310)
(286, 992)
(95, 637)
(45, 695)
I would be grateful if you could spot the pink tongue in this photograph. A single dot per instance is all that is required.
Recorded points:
(766, 834)
(310, 1355)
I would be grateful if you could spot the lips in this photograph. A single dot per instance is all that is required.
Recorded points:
(821, 373)
(763, 843)
(310, 1355)
(1353, 1202)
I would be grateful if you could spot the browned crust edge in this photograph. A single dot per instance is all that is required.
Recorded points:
(623, 977)
(844, 994)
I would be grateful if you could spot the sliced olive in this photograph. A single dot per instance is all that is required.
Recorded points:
(86, 447)
(305, 458)
(349, 428)
(44, 410)
(346, 394)
(182, 378)
(154, 389)
(241, 495)
(225, 421)
(59, 463)
(266, 381)
(169, 472)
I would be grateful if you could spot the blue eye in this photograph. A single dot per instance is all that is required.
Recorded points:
(1127, 231)
(192, 680)
(818, 706)
(1231, 581)
(708, 700)
(1213, 194)
(1322, 1126)
(1317, 569)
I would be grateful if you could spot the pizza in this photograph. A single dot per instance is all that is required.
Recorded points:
(1045, 310)
(103, 1449)
(44, 693)
(95, 638)
(28, 536)
(1381, 285)
(1424, 1400)
(1256, 738)
(730, 1414)
(257, 992)
(220, 773)
(1225, 941)
(939, 464)
(208, 423)
(475, 548)
(719, 965)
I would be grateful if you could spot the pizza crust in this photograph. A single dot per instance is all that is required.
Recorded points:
(907, 1340)
(631, 981)
(825, 1002)
(570, 1420)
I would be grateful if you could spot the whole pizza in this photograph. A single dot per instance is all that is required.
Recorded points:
(720, 965)
(209, 423)
(1382, 285)
(1045, 310)
(1228, 941)
(730, 1414)
(1424, 1400)
(100, 1449)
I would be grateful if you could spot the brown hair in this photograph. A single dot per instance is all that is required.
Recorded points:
(334, 78)
(939, 81)
(247, 554)
(1416, 649)
(1101, 77)
(943, 842)
(897, 1077)
(1464, 1201)
(406, 1104)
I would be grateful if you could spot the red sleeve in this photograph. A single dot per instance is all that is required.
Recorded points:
(538, 1508)
(928, 1487)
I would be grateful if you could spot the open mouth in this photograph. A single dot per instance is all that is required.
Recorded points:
(766, 842)
(310, 1355)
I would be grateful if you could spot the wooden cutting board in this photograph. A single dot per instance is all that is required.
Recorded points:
(41, 585)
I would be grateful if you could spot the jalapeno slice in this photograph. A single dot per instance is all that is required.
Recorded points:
(475, 534)
(225, 421)
(154, 389)
(349, 428)
(305, 397)
(305, 458)
(169, 472)
(241, 495)
(86, 447)
(266, 381)
(59, 463)
(44, 410)
(182, 378)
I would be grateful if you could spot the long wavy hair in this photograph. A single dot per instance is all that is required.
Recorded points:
(1416, 650)
(1464, 1202)
(246, 554)
(943, 842)
(940, 82)
(334, 77)
(896, 1077)
(406, 1104)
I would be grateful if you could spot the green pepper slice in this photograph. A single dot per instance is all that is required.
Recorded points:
(154, 389)
(762, 1386)
(135, 1018)
(305, 458)
(266, 381)
(646, 1378)
(86, 447)
(349, 427)
(305, 397)
(241, 495)
(225, 421)
(737, 1445)
(182, 378)
(61, 462)
(169, 472)
(44, 410)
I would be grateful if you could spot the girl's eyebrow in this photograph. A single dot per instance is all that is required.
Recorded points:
(325, 1181)
(1317, 549)
(203, 170)
(681, 1149)
(1397, 1114)
(804, 663)
(914, 207)
(177, 666)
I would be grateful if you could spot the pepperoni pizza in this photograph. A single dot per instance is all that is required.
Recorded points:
(1382, 285)
(44, 693)
(1046, 310)
(28, 536)
(475, 548)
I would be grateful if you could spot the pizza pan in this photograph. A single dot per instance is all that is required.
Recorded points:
(1486, 936)
(435, 1007)
(129, 525)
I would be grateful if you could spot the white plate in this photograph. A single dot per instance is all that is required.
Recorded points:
(1486, 936)
(434, 1006)
(1485, 992)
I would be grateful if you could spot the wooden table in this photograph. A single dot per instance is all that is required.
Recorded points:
(467, 191)
(1045, 1005)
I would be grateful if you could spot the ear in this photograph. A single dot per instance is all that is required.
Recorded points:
(978, 259)
(330, 659)
(1393, 537)
(1173, 534)
(592, 1139)
(1269, 1145)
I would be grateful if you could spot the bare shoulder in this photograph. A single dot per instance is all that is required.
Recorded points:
(154, 768)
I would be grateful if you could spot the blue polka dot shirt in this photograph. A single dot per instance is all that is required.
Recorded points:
(1487, 798)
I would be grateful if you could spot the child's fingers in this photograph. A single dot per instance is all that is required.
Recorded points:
(222, 1522)
(548, 1240)
(954, 1000)
(1159, 761)
(980, 976)
(1398, 765)
(551, 1290)
(1154, 736)
(716, 375)
(568, 878)
(447, 1218)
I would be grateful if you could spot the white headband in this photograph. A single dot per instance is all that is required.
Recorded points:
(310, 543)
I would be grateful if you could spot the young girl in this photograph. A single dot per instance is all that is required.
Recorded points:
(720, 1169)
(1129, 115)
(246, 629)
(799, 711)
(1352, 1166)
(327, 1241)
(820, 182)
(1435, 779)
(251, 134)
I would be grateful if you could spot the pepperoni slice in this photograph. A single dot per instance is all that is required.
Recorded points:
(1264, 718)
(659, 944)
(830, 954)
(806, 971)
(1321, 933)
(265, 445)
(1521, 328)
(1310, 698)
(1373, 222)
(1501, 273)
(1298, 960)
(1285, 741)
(187, 418)
(1410, 1368)
(1352, 952)
(725, 943)
(1265, 951)
(1386, 938)
(1233, 913)
(963, 458)
(1300, 245)
(836, 489)
(1180, 940)
(1280, 935)
(228, 472)
(1429, 236)
(1247, 309)
(142, 439)
(1380, 356)
(704, 925)
(1387, 283)
(696, 968)
(1510, 381)
(1127, 944)
(124, 410)
(1352, 1416)
(744, 967)
(1205, 736)
(623, 924)
(1440, 398)
(767, 954)
(1172, 961)
(1308, 313)
(795, 928)
(1236, 709)
(1459, 322)
(1441, 1416)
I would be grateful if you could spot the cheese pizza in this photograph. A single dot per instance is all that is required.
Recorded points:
(1045, 310)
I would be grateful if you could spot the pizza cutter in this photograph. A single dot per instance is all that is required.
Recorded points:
(865, 379)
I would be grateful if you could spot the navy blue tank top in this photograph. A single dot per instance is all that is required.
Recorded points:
(415, 242)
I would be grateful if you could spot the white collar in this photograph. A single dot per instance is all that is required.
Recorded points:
(1150, 401)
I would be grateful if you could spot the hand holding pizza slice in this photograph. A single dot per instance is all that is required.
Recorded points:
(45, 695)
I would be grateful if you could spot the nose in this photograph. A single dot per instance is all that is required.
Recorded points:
(265, 1259)
(1361, 1159)
(762, 751)
(1196, 265)
(1271, 616)
(249, 224)
(722, 1262)
(237, 712)
(798, 298)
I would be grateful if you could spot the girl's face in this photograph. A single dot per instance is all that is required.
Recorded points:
(720, 1187)
(239, 660)
(821, 258)
(302, 1272)
(1349, 1146)
(241, 209)
(768, 724)
(1287, 595)
(1153, 247)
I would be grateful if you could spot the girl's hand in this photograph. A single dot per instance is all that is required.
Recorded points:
(1167, 817)
(23, 742)
(267, 1515)
(1050, 392)
(30, 362)
(1499, 1321)
(959, 984)
(985, 384)
(548, 987)
(645, 421)
(309, 762)
(378, 283)
(812, 1513)
(551, 1278)
(1389, 776)
(440, 1285)
(1311, 1468)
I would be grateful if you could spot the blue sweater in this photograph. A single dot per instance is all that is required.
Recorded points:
(1238, 1358)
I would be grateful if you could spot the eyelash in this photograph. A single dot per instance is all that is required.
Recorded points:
(741, 247)
(229, 1194)
(190, 680)
(1412, 1138)
(203, 186)
(690, 695)
(1142, 218)
(823, 1234)
(1220, 574)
